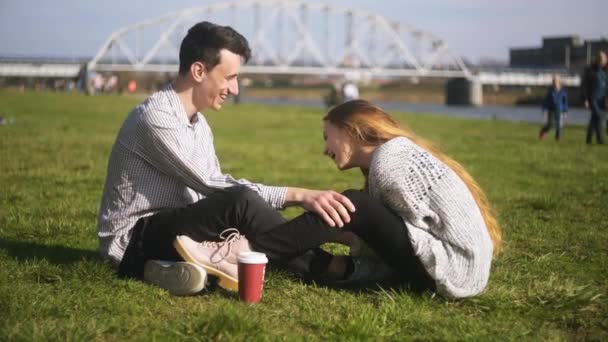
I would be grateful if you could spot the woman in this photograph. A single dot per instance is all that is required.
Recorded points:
(446, 216)
(420, 211)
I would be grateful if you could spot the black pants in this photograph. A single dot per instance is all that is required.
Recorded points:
(291, 244)
(236, 207)
(383, 230)
(597, 120)
(553, 118)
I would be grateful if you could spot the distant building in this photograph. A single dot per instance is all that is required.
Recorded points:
(567, 52)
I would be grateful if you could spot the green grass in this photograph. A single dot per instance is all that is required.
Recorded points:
(549, 284)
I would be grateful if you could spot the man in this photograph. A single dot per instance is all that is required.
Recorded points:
(164, 178)
(594, 85)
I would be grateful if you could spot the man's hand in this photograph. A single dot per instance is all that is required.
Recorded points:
(333, 207)
(587, 104)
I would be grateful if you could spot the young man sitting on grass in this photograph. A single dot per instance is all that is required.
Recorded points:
(164, 179)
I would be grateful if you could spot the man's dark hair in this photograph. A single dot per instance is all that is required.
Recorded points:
(204, 42)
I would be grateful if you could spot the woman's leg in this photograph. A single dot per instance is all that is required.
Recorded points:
(382, 229)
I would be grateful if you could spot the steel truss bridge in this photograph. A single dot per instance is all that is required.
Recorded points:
(291, 37)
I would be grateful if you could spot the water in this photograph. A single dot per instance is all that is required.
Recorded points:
(576, 116)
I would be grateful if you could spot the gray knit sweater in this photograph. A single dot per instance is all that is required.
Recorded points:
(444, 223)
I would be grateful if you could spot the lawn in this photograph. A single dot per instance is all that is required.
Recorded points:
(550, 283)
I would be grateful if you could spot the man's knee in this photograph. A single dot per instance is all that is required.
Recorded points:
(243, 194)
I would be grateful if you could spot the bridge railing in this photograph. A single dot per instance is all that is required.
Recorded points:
(525, 77)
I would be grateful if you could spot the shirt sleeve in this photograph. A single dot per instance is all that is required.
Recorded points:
(175, 150)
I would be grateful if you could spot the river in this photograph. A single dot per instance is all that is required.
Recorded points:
(576, 116)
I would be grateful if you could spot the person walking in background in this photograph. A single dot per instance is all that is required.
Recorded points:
(334, 96)
(594, 92)
(350, 91)
(555, 107)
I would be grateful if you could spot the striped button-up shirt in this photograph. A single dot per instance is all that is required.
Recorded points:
(161, 160)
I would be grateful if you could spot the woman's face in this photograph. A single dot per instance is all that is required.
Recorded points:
(339, 146)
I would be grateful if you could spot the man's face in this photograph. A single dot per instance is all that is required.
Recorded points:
(214, 86)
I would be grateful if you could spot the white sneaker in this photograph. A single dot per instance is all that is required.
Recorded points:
(217, 258)
(179, 278)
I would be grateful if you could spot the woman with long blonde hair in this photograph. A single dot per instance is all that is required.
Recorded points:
(420, 212)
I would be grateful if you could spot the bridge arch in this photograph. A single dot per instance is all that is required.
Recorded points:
(291, 37)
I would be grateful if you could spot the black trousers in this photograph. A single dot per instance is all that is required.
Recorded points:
(235, 207)
(553, 118)
(382, 230)
(596, 121)
(291, 244)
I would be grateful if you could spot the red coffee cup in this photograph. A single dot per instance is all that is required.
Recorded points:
(252, 266)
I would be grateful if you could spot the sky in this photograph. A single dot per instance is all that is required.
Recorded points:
(474, 29)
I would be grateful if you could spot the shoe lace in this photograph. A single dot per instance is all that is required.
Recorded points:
(224, 247)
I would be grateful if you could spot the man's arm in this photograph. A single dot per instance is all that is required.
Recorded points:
(175, 150)
(166, 144)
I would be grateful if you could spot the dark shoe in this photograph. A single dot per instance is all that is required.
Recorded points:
(367, 271)
(304, 266)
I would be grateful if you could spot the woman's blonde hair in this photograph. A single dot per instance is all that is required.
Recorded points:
(370, 125)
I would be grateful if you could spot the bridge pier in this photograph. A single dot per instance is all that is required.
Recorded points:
(464, 91)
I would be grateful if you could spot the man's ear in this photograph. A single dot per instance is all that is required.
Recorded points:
(198, 71)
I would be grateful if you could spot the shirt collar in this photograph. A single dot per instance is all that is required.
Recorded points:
(178, 106)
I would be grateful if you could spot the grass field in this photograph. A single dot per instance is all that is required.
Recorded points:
(550, 283)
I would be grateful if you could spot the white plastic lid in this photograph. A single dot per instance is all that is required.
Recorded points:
(252, 258)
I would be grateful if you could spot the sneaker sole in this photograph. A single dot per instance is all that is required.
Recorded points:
(179, 278)
(225, 281)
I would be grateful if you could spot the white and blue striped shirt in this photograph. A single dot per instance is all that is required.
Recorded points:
(161, 160)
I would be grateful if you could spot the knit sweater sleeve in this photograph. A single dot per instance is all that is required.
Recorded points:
(444, 223)
(402, 176)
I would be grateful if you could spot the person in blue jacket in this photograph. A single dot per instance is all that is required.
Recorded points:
(555, 107)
